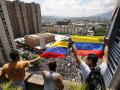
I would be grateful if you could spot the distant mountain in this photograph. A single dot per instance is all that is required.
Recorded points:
(54, 19)
(107, 15)
(51, 18)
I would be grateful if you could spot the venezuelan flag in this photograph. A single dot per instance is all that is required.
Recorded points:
(57, 50)
(89, 45)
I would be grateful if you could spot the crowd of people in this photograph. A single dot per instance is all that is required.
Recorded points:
(67, 67)
(53, 77)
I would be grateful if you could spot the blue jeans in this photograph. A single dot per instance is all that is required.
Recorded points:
(16, 84)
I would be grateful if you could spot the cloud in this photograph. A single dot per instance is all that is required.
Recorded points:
(74, 8)
(24, 0)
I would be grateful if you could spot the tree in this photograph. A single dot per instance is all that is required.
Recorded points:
(36, 63)
(25, 56)
(100, 32)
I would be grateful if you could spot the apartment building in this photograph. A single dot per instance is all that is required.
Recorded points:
(25, 17)
(6, 34)
(66, 29)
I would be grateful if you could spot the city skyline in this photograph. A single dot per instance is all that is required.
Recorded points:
(74, 8)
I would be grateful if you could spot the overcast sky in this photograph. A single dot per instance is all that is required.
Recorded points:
(74, 8)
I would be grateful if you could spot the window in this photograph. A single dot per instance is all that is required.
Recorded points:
(4, 54)
(1, 11)
(1, 44)
(3, 19)
(4, 23)
(2, 15)
(0, 6)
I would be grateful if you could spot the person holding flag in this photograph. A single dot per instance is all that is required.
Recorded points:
(90, 63)
(15, 70)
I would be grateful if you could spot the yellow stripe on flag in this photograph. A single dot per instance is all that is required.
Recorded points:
(60, 44)
(88, 39)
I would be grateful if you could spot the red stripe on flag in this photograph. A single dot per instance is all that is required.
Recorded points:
(52, 55)
(99, 53)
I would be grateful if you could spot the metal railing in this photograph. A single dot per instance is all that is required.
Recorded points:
(112, 74)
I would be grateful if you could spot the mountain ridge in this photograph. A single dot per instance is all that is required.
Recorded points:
(106, 15)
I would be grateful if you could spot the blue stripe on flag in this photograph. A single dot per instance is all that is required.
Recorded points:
(89, 46)
(60, 50)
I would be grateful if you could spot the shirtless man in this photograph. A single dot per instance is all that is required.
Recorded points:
(52, 79)
(15, 70)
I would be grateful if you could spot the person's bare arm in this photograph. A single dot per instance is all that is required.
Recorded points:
(78, 58)
(34, 60)
(60, 82)
(106, 51)
(27, 63)
(44, 73)
(105, 56)
(3, 72)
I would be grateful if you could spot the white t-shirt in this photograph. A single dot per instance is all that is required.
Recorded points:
(85, 69)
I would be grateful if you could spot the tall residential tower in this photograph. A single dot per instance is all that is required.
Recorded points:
(25, 17)
(6, 34)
